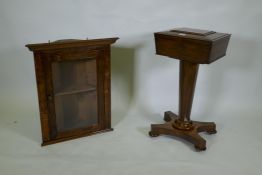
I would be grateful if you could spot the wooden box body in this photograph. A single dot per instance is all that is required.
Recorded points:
(73, 82)
(193, 45)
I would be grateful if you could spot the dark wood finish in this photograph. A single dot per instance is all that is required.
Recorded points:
(73, 82)
(197, 46)
(192, 47)
(187, 81)
(190, 135)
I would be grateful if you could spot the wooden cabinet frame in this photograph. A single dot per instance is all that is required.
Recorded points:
(70, 54)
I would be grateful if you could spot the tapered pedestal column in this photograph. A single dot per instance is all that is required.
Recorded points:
(181, 125)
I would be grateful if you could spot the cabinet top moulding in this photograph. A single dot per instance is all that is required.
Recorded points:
(60, 44)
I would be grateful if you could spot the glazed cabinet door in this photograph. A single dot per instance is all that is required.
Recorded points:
(74, 99)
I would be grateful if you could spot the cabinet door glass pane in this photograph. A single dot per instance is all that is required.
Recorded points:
(75, 94)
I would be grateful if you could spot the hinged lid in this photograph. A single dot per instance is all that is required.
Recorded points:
(192, 34)
(191, 31)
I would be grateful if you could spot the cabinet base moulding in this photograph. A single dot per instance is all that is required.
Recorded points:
(74, 137)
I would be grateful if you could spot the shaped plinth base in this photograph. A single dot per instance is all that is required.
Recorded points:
(189, 131)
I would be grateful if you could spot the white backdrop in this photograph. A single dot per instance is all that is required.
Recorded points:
(144, 85)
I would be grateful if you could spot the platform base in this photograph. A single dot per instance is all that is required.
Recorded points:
(190, 135)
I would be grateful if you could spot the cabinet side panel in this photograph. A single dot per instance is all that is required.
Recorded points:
(107, 87)
(41, 88)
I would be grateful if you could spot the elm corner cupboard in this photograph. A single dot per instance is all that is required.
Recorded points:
(73, 82)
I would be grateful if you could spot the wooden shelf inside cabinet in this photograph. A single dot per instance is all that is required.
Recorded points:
(71, 91)
(73, 83)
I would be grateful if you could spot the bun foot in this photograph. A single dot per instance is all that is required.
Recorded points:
(200, 148)
(153, 134)
(212, 132)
